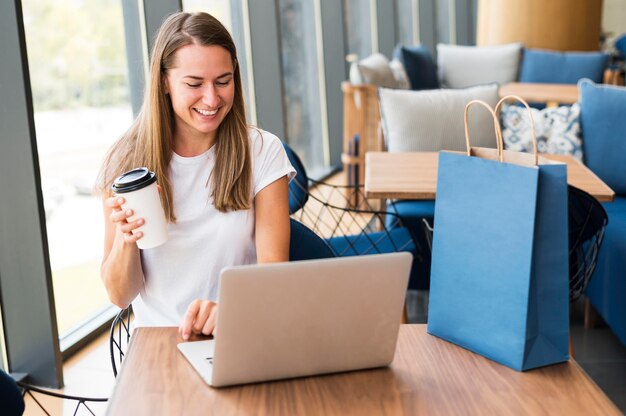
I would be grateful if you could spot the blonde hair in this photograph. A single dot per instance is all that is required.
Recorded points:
(148, 142)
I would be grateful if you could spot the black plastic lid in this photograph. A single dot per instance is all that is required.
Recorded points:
(133, 180)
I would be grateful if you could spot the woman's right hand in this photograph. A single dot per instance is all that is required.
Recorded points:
(200, 318)
(119, 217)
(121, 269)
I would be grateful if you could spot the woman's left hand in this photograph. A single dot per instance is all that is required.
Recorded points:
(199, 319)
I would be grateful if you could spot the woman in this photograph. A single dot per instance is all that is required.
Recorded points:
(223, 185)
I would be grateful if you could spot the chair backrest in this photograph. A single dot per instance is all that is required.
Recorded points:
(587, 223)
(339, 221)
(304, 244)
(91, 405)
(562, 67)
(298, 187)
(119, 337)
(603, 128)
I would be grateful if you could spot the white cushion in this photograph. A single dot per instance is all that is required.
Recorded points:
(399, 73)
(464, 66)
(557, 130)
(373, 70)
(432, 120)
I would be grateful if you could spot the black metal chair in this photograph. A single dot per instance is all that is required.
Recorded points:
(587, 222)
(119, 337)
(80, 402)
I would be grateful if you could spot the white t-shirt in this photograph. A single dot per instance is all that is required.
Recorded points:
(203, 240)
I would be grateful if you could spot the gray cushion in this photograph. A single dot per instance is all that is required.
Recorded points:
(373, 70)
(432, 120)
(464, 66)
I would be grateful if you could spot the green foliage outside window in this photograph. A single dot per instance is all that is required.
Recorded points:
(74, 53)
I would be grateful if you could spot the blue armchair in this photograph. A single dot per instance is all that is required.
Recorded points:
(604, 142)
(304, 244)
(330, 212)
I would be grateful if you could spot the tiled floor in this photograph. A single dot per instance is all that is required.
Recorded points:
(597, 350)
(602, 356)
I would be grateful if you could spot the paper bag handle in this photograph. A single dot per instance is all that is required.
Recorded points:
(530, 114)
(496, 126)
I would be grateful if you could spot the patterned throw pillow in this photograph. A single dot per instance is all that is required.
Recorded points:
(557, 129)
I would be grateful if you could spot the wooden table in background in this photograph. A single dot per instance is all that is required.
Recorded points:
(427, 376)
(413, 175)
(551, 94)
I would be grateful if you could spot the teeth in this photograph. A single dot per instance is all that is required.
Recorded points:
(206, 112)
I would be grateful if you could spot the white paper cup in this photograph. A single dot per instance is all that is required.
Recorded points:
(139, 189)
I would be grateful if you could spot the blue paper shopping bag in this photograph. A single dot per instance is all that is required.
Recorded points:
(499, 278)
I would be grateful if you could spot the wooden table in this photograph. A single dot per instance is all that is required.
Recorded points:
(551, 94)
(413, 175)
(427, 376)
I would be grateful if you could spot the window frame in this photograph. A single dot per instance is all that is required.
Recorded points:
(31, 343)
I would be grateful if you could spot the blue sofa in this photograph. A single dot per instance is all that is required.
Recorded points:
(603, 127)
(533, 65)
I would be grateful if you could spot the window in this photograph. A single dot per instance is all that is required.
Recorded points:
(407, 22)
(81, 102)
(359, 25)
(301, 81)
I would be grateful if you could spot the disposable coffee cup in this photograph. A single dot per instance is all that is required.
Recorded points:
(138, 187)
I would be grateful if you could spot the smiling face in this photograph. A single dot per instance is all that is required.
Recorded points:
(202, 88)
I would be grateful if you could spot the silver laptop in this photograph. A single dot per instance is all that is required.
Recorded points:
(303, 318)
